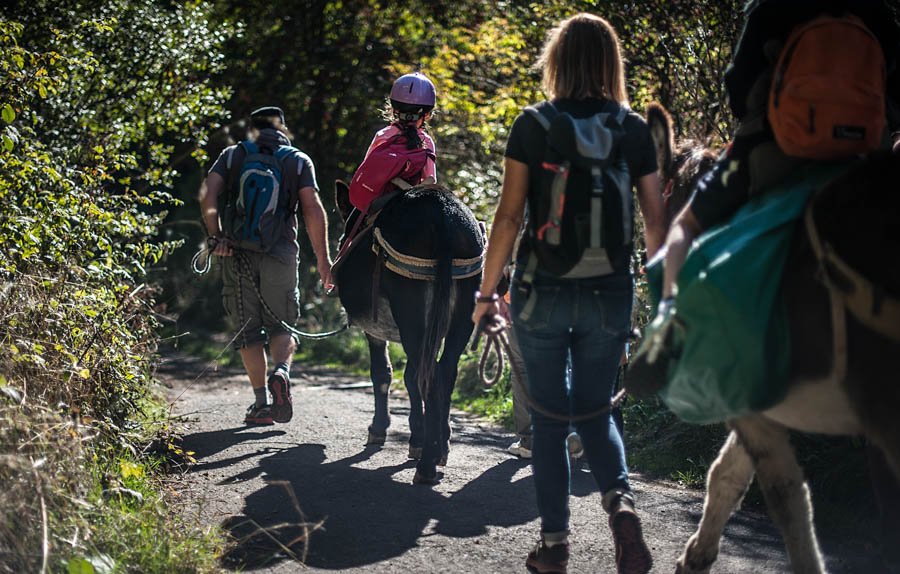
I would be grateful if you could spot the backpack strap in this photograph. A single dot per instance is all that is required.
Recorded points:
(292, 167)
(544, 113)
(620, 111)
(235, 161)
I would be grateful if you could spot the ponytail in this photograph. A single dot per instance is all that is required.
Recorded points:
(413, 139)
(406, 117)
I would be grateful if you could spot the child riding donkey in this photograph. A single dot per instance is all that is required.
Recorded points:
(401, 155)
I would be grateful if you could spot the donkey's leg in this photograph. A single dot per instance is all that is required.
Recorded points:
(381, 371)
(426, 468)
(416, 407)
(784, 489)
(448, 368)
(727, 481)
(424, 427)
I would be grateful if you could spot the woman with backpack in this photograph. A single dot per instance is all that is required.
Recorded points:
(584, 317)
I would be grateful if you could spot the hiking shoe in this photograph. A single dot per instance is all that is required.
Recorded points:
(282, 406)
(632, 554)
(548, 559)
(576, 449)
(519, 449)
(258, 415)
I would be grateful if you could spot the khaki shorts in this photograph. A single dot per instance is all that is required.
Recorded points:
(277, 284)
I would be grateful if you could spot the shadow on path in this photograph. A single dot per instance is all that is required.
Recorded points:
(366, 515)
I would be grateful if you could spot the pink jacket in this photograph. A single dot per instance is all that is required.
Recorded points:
(392, 130)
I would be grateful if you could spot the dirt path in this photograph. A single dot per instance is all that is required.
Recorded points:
(363, 514)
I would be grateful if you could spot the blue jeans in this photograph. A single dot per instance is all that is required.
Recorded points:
(588, 321)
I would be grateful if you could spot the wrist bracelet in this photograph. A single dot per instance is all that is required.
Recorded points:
(492, 298)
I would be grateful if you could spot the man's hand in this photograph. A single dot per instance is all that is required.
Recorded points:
(324, 268)
(220, 246)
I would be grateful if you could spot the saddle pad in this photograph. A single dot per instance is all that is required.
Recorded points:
(735, 350)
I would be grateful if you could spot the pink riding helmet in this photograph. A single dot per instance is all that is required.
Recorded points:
(413, 89)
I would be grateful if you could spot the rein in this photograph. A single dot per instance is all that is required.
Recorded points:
(207, 262)
(496, 341)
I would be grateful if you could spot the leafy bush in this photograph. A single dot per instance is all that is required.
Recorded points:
(94, 103)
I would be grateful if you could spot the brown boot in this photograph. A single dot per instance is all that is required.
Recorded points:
(548, 559)
(632, 554)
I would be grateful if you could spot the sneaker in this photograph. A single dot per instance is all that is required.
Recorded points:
(632, 554)
(576, 449)
(519, 449)
(548, 559)
(258, 415)
(282, 406)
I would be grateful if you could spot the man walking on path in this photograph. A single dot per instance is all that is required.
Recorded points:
(260, 183)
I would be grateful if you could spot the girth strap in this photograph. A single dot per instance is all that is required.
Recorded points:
(376, 280)
(419, 268)
(868, 303)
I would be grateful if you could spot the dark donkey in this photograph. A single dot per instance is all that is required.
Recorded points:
(411, 279)
(844, 316)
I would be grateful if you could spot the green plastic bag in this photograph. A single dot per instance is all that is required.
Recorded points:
(735, 353)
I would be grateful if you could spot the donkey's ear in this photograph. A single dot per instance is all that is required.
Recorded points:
(663, 135)
(342, 199)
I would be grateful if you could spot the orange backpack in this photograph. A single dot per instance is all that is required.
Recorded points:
(827, 99)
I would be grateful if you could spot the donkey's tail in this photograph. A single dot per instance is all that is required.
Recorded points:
(437, 320)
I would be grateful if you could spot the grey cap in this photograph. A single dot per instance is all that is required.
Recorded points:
(268, 112)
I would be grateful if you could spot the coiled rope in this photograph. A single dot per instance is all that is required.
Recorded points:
(245, 272)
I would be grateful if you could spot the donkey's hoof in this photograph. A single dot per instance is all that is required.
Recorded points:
(442, 461)
(415, 452)
(421, 478)
(376, 439)
(683, 566)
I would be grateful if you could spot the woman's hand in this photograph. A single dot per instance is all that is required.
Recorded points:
(484, 310)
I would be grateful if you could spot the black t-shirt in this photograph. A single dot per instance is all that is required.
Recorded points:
(527, 143)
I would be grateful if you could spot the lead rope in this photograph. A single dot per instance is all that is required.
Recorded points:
(240, 301)
(494, 330)
(244, 268)
(838, 317)
(207, 261)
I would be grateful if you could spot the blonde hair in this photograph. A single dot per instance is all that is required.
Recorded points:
(581, 59)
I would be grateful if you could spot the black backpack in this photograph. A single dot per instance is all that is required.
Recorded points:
(581, 215)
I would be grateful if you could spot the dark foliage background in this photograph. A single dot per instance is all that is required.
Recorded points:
(111, 112)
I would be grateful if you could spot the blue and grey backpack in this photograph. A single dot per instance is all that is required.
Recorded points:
(581, 216)
(260, 201)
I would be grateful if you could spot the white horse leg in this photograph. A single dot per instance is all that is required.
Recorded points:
(727, 481)
(784, 488)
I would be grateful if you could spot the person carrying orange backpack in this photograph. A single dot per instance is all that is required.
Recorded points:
(776, 37)
(781, 120)
(772, 135)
